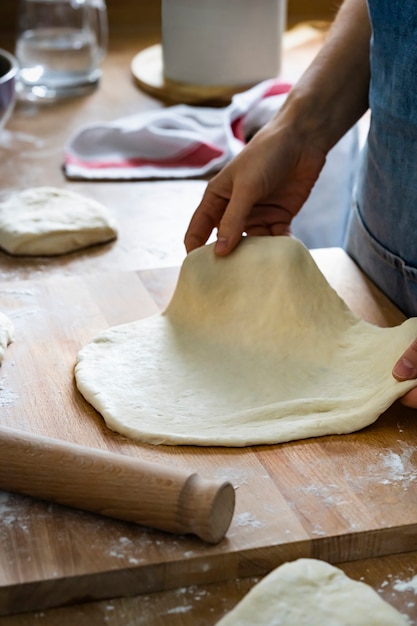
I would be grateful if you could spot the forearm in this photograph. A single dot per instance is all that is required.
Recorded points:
(264, 187)
(333, 92)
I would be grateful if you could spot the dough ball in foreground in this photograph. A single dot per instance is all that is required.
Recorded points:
(254, 348)
(45, 221)
(6, 334)
(309, 592)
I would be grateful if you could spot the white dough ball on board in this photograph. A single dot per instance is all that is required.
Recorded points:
(310, 592)
(46, 221)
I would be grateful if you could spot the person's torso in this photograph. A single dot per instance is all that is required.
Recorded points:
(387, 189)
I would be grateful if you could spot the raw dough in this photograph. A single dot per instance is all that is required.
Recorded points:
(309, 592)
(253, 348)
(6, 334)
(49, 221)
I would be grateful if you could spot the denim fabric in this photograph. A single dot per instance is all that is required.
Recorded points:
(382, 233)
(388, 271)
(394, 57)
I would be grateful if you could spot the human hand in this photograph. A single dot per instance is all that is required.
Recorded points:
(406, 369)
(260, 191)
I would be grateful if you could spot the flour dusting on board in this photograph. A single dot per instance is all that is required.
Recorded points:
(7, 510)
(406, 585)
(133, 550)
(235, 475)
(247, 519)
(399, 467)
(391, 468)
(329, 494)
(7, 397)
(122, 549)
(179, 609)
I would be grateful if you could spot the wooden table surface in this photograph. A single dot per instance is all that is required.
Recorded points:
(153, 217)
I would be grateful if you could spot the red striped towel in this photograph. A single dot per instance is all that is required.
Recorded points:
(174, 142)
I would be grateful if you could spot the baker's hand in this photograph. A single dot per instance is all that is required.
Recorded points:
(406, 369)
(260, 191)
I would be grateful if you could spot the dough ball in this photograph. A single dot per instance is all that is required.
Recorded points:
(45, 221)
(309, 592)
(254, 348)
(6, 334)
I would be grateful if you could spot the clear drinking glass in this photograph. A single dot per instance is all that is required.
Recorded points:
(60, 46)
(8, 74)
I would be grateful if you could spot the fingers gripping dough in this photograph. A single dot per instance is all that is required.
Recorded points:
(309, 592)
(254, 348)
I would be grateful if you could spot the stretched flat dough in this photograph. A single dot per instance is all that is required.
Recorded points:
(253, 348)
(309, 592)
(45, 221)
(6, 334)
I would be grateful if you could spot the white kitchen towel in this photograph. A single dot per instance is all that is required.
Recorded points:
(174, 142)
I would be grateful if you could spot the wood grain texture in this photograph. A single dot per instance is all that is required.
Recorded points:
(337, 498)
(204, 605)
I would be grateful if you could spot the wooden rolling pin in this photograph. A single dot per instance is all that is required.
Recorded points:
(115, 485)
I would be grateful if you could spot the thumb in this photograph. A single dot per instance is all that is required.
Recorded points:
(406, 366)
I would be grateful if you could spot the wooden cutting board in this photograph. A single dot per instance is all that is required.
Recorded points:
(338, 498)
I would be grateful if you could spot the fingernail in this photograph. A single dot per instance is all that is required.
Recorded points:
(404, 369)
(220, 245)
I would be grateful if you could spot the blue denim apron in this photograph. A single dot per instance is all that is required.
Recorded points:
(382, 233)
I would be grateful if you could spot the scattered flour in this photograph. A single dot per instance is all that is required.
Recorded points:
(409, 585)
(180, 609)
(399, 467)
(235, 475)
(247, 519)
